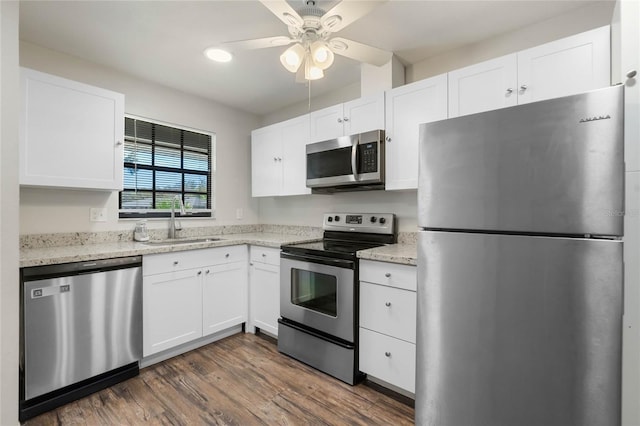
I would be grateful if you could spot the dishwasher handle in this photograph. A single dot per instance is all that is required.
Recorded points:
(77, 268)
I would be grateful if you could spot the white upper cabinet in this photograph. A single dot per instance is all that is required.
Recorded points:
(560, 68)
(278, 158)
(406, 108)
(357, 116)
(327, 123)
(295, 135)
(266, 171)
(483, 87)
(71, 134)
(565, 67)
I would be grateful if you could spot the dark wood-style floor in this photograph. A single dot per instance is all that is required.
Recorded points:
(240, 380)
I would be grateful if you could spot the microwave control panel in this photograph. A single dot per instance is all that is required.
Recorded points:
(368, 158)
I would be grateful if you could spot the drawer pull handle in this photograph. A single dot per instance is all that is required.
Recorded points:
(207, 271)
(226, 255)
(264, 255)
(175, 262)
(387, 304)
(387, 354)
(388, 274)
(199, 272)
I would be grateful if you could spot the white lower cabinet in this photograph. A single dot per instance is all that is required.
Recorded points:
(388, 322)
(190, 294)
(172, 314)
(389, 359)
(224, 297)
(264, 289)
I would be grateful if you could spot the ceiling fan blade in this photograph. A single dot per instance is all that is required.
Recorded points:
(345, 13)
(258, 43)
(284, 12)
(360, 52)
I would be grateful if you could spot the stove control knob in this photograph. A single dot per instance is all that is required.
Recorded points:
(336, 218)
(373, 219)
(382, 221)
(330, 219)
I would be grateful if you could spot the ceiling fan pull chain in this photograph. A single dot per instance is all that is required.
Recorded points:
(309, 86)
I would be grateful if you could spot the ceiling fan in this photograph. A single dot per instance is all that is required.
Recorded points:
(311, 31)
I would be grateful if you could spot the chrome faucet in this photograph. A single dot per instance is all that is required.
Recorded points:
(173, 224)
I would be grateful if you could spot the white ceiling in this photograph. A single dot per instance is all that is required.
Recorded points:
(163, 41)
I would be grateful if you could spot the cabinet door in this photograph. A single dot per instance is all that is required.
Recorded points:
(295, 136)
(71, 134)
(265, 296)
(266, 161)
(406, 108)
(564, 67)
(482, 87)
(364, 114)
(172, 310)
(224, 297)
(326, 123)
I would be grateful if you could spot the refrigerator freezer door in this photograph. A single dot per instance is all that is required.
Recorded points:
(547, 167)
(516, 330)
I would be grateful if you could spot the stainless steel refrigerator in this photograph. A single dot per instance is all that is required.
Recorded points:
(520, 265)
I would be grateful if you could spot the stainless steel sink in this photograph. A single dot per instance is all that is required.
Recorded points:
(173, 241)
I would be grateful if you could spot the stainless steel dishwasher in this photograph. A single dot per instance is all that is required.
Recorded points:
(81, 330)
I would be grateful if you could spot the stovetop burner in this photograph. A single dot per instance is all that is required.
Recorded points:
(347, 233)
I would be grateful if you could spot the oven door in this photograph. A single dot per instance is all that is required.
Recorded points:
(319, 293)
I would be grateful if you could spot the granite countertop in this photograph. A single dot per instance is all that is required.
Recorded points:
(49, 249)
(402, 253)
(83, 252)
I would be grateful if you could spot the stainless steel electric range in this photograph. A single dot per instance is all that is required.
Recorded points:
(319, 292)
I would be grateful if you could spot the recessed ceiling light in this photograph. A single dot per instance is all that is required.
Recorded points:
(218, 55)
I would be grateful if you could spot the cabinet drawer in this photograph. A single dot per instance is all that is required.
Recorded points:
(230, 254)
(388, 310)
(390, 274)
(189, 259)
(388, 359)
(267, 255)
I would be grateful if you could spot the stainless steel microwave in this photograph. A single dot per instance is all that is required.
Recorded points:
(347, 163)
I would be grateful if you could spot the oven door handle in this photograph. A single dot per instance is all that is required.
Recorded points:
(340, 263)
(354, 158)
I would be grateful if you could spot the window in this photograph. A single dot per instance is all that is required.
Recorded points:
(162, 162)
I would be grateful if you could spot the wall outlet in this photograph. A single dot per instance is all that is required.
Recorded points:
(98, 215)
(239, 214)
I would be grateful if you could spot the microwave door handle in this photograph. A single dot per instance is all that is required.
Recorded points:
(354, 159)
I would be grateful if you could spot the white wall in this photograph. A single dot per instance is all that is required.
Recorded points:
(347, 93)
(574, 22)
(307, 210)
(9, 279)
(54, 210)
(625, 55)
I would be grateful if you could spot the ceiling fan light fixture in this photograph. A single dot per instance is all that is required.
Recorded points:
(321, 55)
(312, 71)
(292, 58)
(218, 55)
